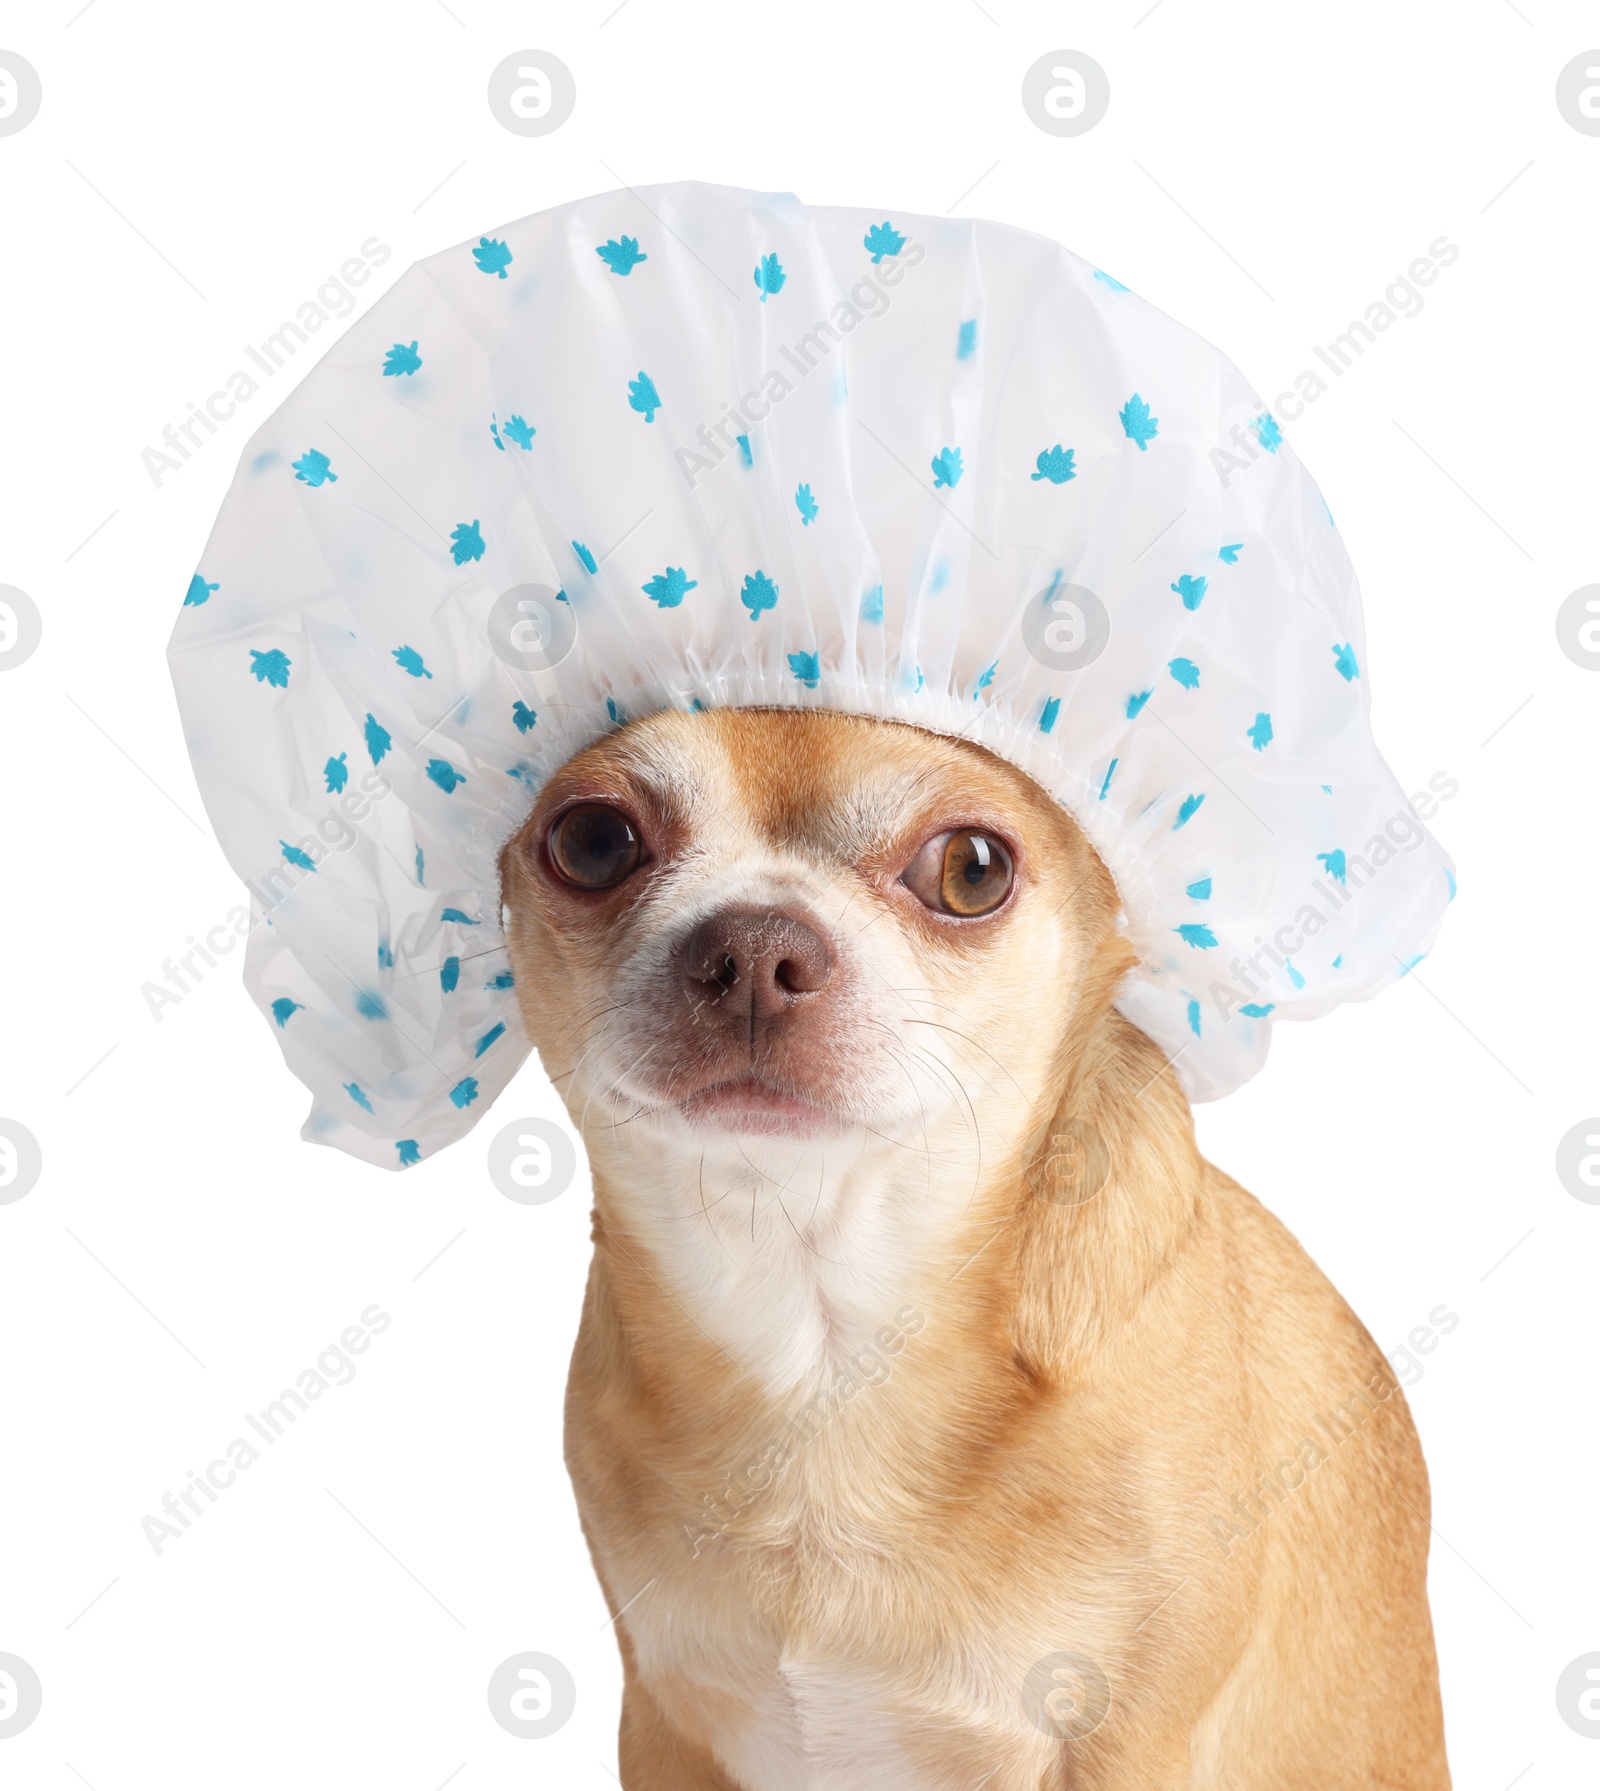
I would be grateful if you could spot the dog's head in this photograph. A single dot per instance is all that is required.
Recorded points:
(802, 925)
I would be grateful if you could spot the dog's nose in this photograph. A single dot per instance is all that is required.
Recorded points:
(770, 956)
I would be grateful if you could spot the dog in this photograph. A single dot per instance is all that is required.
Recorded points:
(939, 1417)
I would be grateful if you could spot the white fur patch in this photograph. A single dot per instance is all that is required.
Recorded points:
(822, 1729)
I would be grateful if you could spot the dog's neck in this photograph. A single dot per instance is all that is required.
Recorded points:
(778, 1263)
(790, 1257)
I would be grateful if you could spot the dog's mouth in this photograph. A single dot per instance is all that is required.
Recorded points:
(749, 1104)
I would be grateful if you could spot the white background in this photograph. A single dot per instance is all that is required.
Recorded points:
(1262, 174)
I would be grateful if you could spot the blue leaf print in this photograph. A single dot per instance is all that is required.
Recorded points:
(967, 339)
(1200, 890)
(378, 741)
(621, 256)
(312, 468)
(872, 604)
(445, 775)
(585, 558)
(1055, 464)
(1334, 863)
(466, 542)
(1107, 784)
(1115, 285)
(769, 276)
(504, 980)
(987, 678)
(402, 358)
(300, 860)
(410, 660)
(1294, 975)
(807, 668)
(421, 883)
(523, 716)
(1186, 672)
(271, 667)
(450, 975)
(492, 256)
(643, 396)
(1137, 423)
(947, 468)
(882, 239)
(282, 1008)
(1196, 933)
(1194, 1018)
(759, 593)
(1267, 431)
(197, 593)
(1344, 662)
(354, 1090)
(1450, 879)
(410, 1154)
(744, 450)
(1230, 554)
(1047, 717)
(465, 1092)
(385, 951)
(489, 1038)
(670, 587)
(806, 504)
(1259, 732)
(456, 915)
(494, 430)
(1190, 589)
(1257, 1010)
(336, 774)
(1137, 701)
(1186, 810)
(614, 712)
(522, 433)
(369, 1006)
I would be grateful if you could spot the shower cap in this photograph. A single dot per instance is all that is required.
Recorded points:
(688, 447)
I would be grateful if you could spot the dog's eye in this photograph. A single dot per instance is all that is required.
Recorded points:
(595, 846)
(967, 873)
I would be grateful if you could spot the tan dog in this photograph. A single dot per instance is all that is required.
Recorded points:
(939, 1418)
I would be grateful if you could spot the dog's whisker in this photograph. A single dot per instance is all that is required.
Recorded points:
(968, 1039)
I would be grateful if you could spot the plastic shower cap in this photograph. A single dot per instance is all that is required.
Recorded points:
(693, 446)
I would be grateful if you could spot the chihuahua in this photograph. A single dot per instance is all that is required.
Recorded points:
(939, 1417)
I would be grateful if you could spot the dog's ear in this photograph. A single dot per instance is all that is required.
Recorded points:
(1084, 1043)
(1101, 1213)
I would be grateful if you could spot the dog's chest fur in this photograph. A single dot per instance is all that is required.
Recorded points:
(773, 1599)
(830, 1683)
(822, 1728)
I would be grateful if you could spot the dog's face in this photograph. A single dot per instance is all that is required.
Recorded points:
(801, 925)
